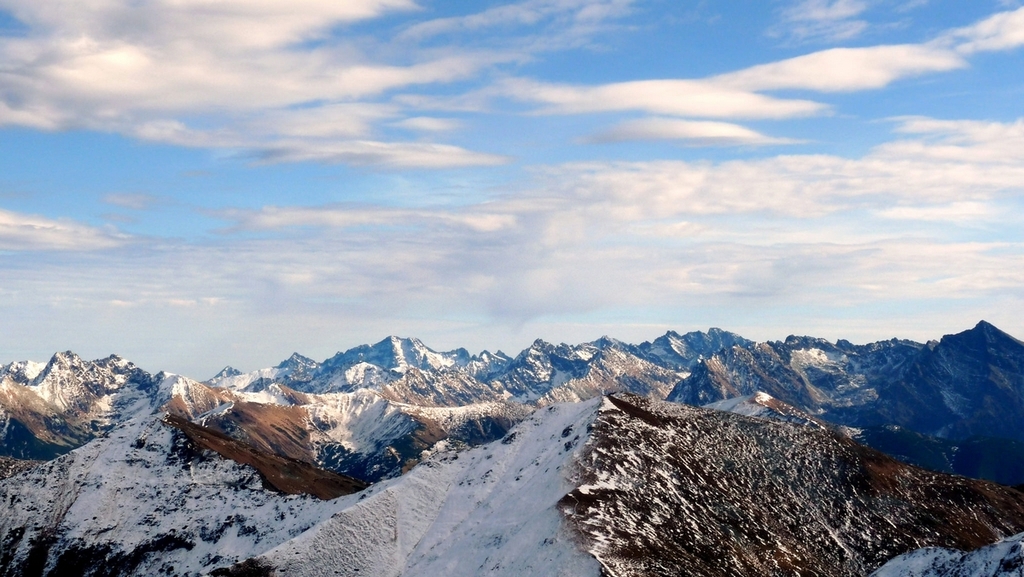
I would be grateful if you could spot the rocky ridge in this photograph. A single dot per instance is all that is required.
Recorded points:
(669, 489)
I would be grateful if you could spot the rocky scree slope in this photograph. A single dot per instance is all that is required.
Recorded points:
(669, 489)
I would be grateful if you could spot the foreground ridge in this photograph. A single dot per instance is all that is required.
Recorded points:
(676, 490)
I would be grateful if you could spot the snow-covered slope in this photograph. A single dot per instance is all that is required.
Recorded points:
(144, 501)
(491, 510)
(765, 406)
(1002, 559)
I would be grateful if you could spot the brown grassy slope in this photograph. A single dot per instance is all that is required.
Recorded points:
(284, 474)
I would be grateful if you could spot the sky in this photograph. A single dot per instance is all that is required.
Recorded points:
(195, 183)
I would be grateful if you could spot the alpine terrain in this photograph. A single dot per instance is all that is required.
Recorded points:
(809, 458)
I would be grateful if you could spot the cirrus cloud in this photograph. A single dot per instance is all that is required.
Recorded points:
(694, 133)
(24, 232)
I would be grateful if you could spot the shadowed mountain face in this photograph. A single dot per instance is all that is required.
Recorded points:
(968, 384)
(669, 489)
(999, 460)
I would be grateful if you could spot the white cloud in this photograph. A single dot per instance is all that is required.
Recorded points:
(738, 94)
(220, 25)
(220, 74)
(826, 10)
(960, 141)
(22, 232)
(957, 212)
(583, 15)
(694, 133)
(671, 97)
(1003, 31)
(341, 217)
(823, 20)
(370, 153)
(803, 235)
(279, 81)
(335, 121)
(31, 116)
(844, 69)
(428, 124)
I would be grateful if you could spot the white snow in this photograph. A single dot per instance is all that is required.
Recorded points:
(126, 489)
(1002, 559)
(491, 509)
(359, 420)
(243, 381)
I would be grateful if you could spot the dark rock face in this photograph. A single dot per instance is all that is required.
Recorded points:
(675, 490)
(971, 383)
(968, 384)
(10, 467)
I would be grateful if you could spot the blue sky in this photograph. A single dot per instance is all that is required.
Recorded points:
(200, 182)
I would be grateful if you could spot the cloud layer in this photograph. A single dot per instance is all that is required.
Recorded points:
(288, 82)
(747, 219)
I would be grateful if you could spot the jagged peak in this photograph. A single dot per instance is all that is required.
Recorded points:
(993, 332)
(227, 371)
(984, 331)
(65, 357)
(805, 340)
(397, 341)
(607, 342)
(295, 360)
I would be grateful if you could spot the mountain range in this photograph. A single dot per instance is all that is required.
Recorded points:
(256, 473)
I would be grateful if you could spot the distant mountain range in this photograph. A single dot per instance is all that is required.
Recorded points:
(368, 412)
(784, 444)
(951, 405)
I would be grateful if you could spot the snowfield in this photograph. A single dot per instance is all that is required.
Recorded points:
(143, 498)
(489, 510)
(1002, 559)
